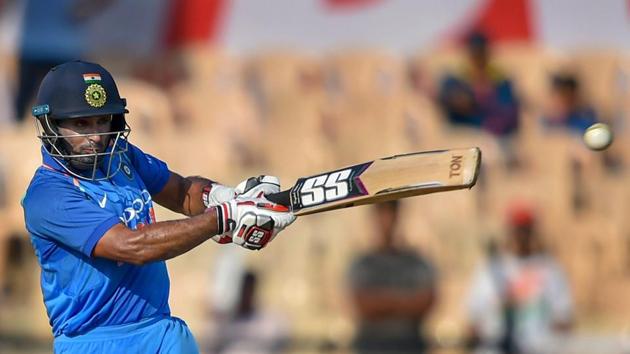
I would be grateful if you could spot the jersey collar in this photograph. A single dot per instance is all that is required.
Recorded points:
(51, 162)
(55, 164)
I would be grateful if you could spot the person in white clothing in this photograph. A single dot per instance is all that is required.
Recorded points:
(520, 300)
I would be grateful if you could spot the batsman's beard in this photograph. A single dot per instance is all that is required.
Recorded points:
(87, 158)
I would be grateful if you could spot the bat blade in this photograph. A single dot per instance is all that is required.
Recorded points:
(394, 177)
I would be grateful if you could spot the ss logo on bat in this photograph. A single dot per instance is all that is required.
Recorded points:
(325, 188)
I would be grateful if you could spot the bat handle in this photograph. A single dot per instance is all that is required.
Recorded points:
(282, 198)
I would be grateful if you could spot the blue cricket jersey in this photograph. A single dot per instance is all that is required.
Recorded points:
(66, 217)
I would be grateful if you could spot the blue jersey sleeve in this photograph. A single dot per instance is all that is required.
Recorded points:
(153, 171)
(62, 213)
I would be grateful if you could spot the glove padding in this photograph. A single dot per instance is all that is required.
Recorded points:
(252, 222)
(257, 187)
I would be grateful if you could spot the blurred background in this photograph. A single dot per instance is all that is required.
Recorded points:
(534, 259)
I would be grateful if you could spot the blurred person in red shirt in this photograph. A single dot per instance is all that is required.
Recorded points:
(520, 301)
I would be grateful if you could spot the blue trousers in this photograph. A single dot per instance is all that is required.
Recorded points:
(154, 335)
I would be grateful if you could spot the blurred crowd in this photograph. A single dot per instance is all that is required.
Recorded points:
(546, 227)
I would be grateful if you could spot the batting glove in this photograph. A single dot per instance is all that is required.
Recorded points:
(217, 193)
(252, 222)
(257, 187)
(253, 187)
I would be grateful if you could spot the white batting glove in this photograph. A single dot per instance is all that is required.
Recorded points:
(216, 194)
(256, 187)
(252, 222)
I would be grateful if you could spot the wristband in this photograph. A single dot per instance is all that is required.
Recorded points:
(223, 215)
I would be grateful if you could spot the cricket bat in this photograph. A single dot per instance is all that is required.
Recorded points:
(394, 177)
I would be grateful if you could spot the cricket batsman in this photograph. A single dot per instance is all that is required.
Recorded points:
(89, 213)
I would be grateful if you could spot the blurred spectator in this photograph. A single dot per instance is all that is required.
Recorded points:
(18, 268)
(7, 116)
(480, 95)
(393, 291)
(247, 329)
(569, 111)
(53, 32)
(567, 108)
(520, 298)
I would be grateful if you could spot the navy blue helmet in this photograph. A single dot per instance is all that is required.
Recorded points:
(79, 89)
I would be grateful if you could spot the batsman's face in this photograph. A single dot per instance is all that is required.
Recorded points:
(86, 135)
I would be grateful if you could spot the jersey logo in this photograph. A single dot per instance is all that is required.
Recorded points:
(137, 210)
(127, 171)
(103, 202)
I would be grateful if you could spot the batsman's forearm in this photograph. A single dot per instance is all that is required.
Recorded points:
(183, 194)
(168, 239)
(159, 241)
(192, 201)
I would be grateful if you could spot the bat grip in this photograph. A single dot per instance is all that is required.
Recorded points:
(282, 198)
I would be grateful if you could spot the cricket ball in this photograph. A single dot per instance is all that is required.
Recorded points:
(598, 136)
